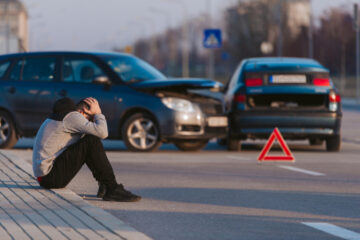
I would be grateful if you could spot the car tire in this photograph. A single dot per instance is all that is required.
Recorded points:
(316, 141)
(333, 143)
(141, 133)
(233, 144)
(8, 137)
(221, 141)
(191, 145)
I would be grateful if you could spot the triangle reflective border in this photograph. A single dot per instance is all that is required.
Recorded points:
(264, 152)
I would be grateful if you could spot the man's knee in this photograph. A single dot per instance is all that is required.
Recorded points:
(92, 139)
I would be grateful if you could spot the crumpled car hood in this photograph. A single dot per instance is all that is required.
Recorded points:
(178, 84)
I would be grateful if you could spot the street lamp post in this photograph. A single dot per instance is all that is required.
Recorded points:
(280, 9)
(357, 31)
(311, 40)
(185, 39)
(7, 27)
(168, 38)
(185, 42)
(211, 72)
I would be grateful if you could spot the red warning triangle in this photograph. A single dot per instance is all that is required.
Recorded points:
(276, 135)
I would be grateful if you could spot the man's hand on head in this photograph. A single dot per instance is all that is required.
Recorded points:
(94, 107)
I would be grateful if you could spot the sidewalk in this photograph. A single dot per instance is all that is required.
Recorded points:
(28, 211)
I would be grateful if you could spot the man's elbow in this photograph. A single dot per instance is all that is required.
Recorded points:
(103, 135)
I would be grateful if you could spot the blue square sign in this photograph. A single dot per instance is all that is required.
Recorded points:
(212, 38)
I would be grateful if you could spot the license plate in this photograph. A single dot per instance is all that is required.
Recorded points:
(291, 79)
(217, 121)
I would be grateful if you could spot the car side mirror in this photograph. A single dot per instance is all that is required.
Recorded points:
(103, 80)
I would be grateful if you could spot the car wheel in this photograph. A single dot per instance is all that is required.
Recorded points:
(233, 144)
(191, 145)
(8, 136)
(141, 133)
(221, 141)
(333, 143)
(316, 141)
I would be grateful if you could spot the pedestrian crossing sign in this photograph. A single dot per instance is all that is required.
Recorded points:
(212, 38)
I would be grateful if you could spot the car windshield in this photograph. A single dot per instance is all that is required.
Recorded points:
(131, 69)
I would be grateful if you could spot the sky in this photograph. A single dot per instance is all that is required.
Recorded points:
(101, 25)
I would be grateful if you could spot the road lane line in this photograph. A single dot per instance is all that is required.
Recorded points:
(238, 158)
(334, 230)
(301, 170)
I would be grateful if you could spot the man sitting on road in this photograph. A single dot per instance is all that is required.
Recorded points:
(71, 137)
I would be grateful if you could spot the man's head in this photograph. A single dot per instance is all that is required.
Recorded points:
(61, 108)
(82, 107)
(63, 105)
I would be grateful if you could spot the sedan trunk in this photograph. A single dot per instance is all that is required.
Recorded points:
(288, 101)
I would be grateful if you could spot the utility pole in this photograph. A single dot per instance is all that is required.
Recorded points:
(279, 13)
(211, 62)
(7, 26)
(185, 47)
(311, 40)
(357, 31)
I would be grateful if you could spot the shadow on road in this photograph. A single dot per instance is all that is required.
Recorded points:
(311, 202)
(248, 146)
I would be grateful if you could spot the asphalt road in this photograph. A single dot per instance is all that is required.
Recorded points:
(216, 194)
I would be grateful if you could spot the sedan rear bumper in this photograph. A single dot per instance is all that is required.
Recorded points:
(292, 126)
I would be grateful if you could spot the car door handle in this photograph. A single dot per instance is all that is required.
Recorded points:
(63, 93)
(11, 89)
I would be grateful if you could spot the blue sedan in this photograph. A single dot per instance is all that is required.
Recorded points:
(142, 106)
(294, 94)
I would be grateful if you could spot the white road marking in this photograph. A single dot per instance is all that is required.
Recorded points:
(301, 170)
(238, 158)
(334, 230)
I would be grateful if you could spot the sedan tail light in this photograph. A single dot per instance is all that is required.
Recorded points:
(240, 98)
(253, 82)
(321, 82)
(334, 100)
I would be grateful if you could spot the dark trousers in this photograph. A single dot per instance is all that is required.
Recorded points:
(88, 150)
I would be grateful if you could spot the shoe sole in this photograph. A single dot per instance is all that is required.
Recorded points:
(122, 200)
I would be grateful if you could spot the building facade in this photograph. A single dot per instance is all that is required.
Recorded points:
(14, 35)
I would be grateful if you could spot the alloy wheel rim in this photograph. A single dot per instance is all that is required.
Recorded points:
(4, 130)
(142, 133)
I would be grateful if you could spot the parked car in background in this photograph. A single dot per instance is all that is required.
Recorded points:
(142, 106)
(294, 94)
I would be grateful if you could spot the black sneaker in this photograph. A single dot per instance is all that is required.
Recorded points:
(120, 194)
(102, 190)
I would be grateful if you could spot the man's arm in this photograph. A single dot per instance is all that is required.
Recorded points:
(76, 122)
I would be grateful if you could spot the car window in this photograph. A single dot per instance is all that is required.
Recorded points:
(16, 70)
(3, 67)
(235, 77)
(131, 69)
(80, 70)
(38, 69)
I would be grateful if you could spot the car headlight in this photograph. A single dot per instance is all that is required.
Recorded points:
(178, 104)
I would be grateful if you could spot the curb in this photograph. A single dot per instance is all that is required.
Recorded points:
(114, 224)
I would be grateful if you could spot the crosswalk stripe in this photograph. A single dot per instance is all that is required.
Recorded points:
(301, 170)
(334, 230)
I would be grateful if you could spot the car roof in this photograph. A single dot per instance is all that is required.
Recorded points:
(283, 64)
(84, 53)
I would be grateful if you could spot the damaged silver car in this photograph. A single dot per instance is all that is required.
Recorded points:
(142, 106)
